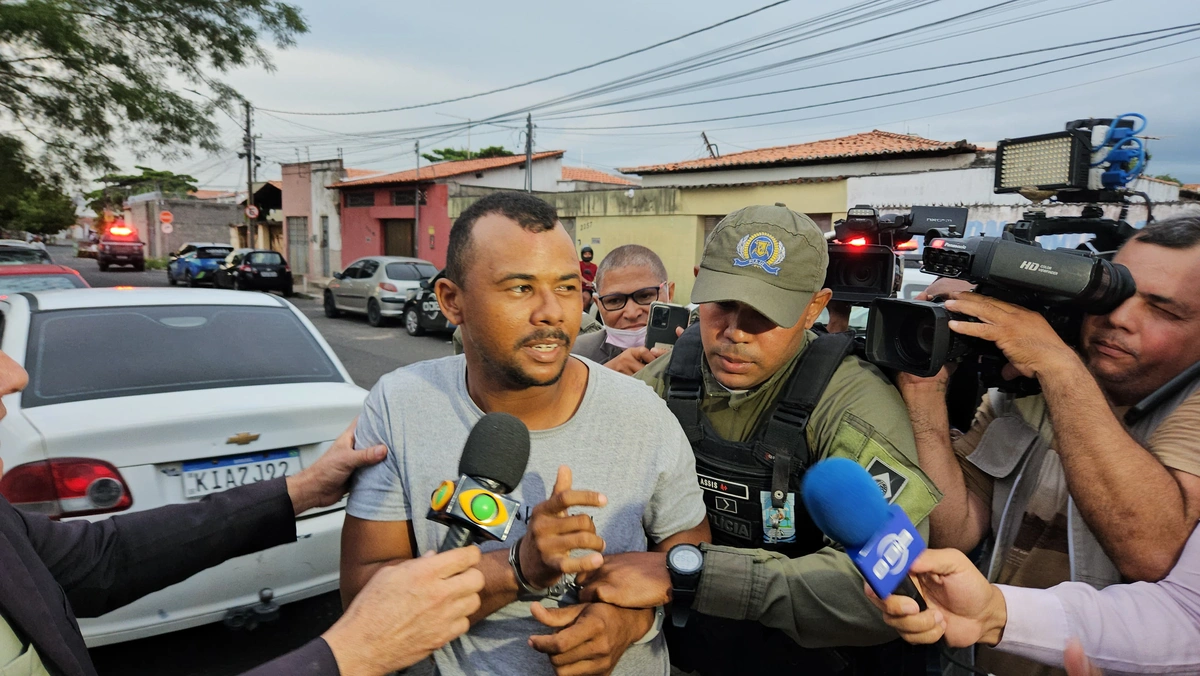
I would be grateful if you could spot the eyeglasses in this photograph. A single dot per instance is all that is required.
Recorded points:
(615, 301)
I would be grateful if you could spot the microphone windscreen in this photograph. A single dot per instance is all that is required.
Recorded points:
(498, 449)
(844, 501)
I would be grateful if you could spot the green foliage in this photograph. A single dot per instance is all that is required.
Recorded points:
(1168, 177)
(28, 200)
(456, 154)
(156, 264)
(78, 76)
(118, 187)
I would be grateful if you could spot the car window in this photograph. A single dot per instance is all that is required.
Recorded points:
(225, 347)
(368, 269)
(352, 271)
(233, 258)
(404, 272)
(19, 283)
(212, 252)
(188, 256)
(265, 258)
(426, 270)
(16, 255)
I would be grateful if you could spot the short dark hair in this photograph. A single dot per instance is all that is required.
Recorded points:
(531, 213)
(1177, 232)
(631, 255)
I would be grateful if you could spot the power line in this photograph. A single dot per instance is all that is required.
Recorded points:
(547, 77)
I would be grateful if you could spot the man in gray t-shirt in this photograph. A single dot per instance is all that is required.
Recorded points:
(520, 314)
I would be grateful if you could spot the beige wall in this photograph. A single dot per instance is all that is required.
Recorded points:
(671, 220)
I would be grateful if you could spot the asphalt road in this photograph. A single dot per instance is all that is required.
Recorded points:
(212, 650)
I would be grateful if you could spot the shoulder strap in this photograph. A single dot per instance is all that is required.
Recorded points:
(684, 382)
(785, 435)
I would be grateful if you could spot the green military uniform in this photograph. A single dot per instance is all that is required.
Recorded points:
(860, 416)
(774, 261)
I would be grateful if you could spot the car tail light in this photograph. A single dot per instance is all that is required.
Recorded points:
(245, 268)
(388, 287)
(66, 487)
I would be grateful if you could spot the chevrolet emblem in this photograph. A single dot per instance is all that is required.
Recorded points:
(242, 439)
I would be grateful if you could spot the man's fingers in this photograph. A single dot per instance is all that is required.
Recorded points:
(563, 481)
(348, 434)
(925, 637)
(577, 564)
(1075, 661)
(940, 562)
(451, 563)
(561, 500)
(556, 618)
(368, 456)
(974, 329)
(575, 540)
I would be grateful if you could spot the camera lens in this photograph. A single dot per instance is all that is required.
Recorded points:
(915, 337)
(659, 318)
(859, 274)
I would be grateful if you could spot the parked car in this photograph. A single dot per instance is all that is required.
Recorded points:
(121, 245)
(182, 393)
(377, 286)
(423, 313)
(255, 270)
(16, 252)
(189, 247)
(40, 277)
(198, 265)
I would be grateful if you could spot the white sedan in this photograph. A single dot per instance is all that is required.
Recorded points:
(139, 398)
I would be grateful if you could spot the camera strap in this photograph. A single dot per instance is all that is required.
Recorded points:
(786, 432)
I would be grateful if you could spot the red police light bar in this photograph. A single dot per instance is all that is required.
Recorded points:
(120, 230)
(938, 243)
(858, 241)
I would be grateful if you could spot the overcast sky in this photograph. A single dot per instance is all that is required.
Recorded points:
(372, 54)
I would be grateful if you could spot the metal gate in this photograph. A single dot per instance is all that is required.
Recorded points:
(297, 237)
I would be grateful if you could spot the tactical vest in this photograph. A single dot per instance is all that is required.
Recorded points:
(752, 488)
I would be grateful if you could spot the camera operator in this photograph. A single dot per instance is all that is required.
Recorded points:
(629, 279)
(736, 380)
(1066, 490)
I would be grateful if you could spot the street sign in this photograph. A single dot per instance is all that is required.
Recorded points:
(165, 217)
(252, 211)
(167, 228)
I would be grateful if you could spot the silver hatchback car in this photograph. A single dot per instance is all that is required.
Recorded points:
(376, 286)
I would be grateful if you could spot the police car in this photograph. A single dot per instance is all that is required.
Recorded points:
(139, 398)
(422, 313)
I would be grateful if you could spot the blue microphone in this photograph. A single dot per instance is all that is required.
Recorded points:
(848, 506)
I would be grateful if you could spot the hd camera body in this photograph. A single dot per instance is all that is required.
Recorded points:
(863, 262)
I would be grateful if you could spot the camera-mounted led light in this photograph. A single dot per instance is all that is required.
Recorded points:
(1058, 161)
(861, 212)
(858, 241)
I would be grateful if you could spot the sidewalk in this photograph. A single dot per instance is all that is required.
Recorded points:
(310, 286)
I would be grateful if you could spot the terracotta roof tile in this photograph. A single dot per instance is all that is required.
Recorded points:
(873, 143)
(1190, 187)
(446, 170)
(592, 176)
(212, 194)
(352, 173)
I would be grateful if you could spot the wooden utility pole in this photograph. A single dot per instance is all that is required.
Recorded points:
(417, 202)
(529, 152)
(713, 151)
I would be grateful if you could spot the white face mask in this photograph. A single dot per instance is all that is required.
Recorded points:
(625, 338)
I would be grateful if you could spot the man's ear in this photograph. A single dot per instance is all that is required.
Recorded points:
(670, 292)
(815, 306)
(695, 270)
(450, 297)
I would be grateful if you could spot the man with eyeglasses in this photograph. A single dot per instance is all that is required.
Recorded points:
(629, 279)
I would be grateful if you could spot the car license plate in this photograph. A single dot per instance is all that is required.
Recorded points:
(203, 477)
(268, 273)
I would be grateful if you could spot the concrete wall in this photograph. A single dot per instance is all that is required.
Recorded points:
(546, 174)
(763, 174)
(194, 221)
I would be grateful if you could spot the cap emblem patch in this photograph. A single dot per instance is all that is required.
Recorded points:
(760, 250)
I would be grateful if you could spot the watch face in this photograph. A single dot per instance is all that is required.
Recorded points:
(686, 560)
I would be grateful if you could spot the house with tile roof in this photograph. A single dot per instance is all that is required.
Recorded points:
(310, 216)
(378, 214)
(584, 178)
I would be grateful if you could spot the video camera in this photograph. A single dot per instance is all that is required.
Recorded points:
(1061, 284)
(862, 257)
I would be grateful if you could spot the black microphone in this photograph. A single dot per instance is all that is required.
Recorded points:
(476, 507)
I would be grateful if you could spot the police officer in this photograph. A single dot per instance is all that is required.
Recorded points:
(762, 398)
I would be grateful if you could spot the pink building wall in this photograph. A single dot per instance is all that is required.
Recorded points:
(362, 230)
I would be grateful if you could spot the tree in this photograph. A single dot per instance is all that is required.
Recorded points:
(456, 154)
(1168, 177)
(118, 187)
(28, 200)
(78, 76)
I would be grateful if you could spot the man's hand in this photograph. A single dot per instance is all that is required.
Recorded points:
(634, 359)
(631, 580)
(324, 483)
(590, 637)
(1076, 662)
(1025, 337)
(963, 605)
(942, 288)
(552, 534)
(407, 611)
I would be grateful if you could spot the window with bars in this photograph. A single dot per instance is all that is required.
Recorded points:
(404, 198)
(365, 198)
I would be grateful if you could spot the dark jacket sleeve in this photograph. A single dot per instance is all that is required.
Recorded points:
(107, 564)
(313, 659)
